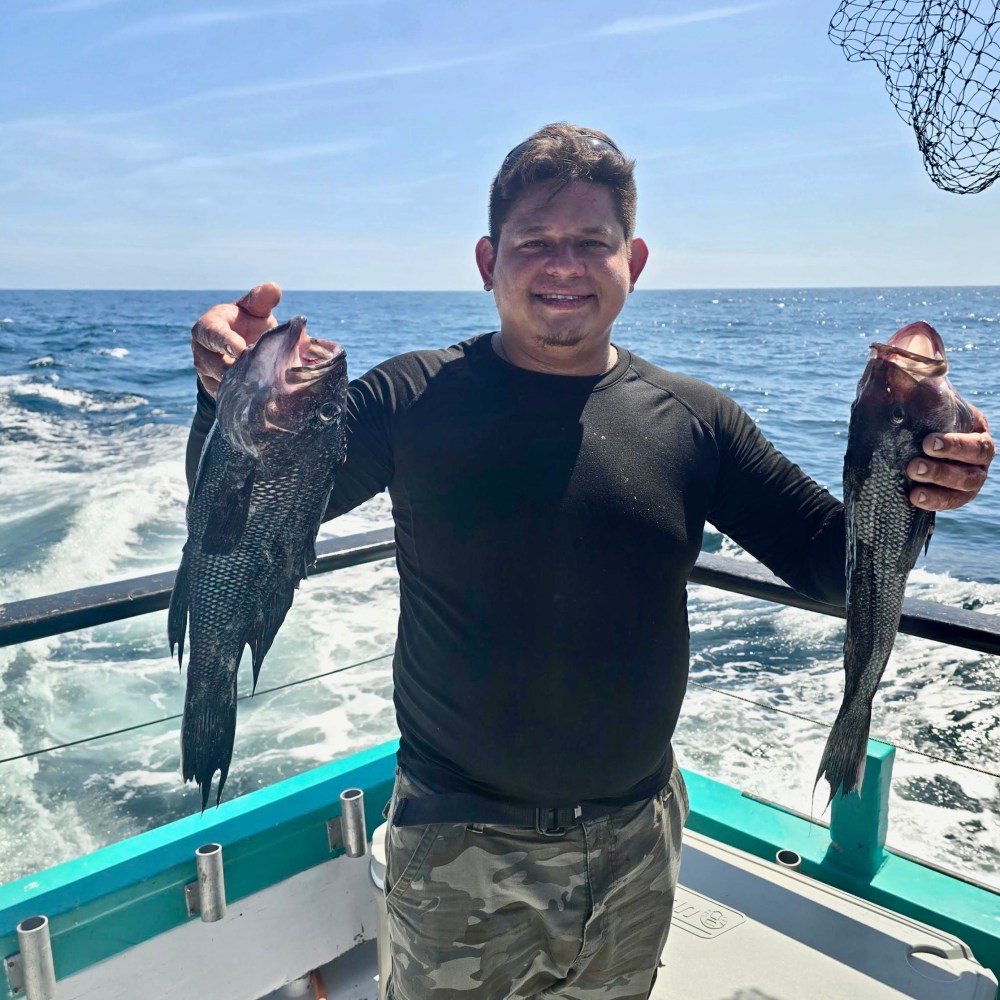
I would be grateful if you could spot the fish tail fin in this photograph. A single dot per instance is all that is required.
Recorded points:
(208, 731)
(843, 761)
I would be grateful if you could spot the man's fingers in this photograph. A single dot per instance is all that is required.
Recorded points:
(974, 448)
(939, 498)
(966, 478)
(214, 332)
(226, 329)
(210, 366)
(954, 466)
(223, 333)
(253, 312)
(261, 301)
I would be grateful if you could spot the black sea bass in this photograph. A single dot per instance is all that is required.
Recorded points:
(263, 482)
(904, 395)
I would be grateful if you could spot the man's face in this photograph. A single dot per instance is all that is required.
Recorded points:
(562, 266)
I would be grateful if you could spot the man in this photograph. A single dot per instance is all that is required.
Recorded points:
(549, 491)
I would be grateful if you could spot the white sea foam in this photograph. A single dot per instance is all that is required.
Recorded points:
(116, 503)
(40, 831)
(19, 387)
(113, 352)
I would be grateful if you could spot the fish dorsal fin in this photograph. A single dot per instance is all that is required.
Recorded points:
(228, 518)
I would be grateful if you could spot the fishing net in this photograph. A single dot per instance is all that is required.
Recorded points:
(941, 64)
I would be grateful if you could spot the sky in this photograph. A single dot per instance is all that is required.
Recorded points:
(349, 144)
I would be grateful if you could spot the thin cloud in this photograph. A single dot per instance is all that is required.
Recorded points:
(196, 20)
(274, 156)
(72, 6)
(283, 86)
(286, 85)
(663, 22)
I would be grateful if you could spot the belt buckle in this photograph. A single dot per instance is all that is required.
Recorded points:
(547, 815)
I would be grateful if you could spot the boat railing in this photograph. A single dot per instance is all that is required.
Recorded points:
(854, 856)
(55, 614)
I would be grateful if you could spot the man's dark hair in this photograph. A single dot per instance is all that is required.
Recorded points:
(564, 153)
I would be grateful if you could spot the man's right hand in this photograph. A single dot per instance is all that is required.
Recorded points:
(223, 333)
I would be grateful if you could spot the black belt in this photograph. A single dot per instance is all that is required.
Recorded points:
(459, 807)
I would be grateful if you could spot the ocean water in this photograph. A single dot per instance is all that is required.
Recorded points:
(96, 394)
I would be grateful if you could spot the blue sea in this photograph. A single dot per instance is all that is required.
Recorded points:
(96, 395)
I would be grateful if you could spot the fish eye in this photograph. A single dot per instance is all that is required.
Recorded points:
(328, 411)
(897, 414)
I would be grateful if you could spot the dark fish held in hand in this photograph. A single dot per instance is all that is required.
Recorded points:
(904, 395)
(262, 486)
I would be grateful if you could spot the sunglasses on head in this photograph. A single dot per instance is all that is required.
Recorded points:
(595, 142)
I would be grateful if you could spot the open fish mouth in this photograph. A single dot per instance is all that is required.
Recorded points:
(286, 355)
(917, 349)
(313, 358)
(275, 384)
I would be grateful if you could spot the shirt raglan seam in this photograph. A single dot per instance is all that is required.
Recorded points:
(705, 424)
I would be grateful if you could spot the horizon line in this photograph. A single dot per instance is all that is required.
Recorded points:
(471, 291)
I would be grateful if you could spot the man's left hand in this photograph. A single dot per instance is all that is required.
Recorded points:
(953, 468)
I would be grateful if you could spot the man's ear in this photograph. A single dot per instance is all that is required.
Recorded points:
(638, 258)
(486, 258)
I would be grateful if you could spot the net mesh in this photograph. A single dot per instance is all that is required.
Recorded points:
(941, 64)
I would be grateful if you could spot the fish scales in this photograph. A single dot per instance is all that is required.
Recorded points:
(903, 396)
(262, 486)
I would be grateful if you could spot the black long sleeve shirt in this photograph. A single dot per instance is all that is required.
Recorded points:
(545, 529)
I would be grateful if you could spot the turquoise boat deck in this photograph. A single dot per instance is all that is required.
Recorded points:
(129, 897)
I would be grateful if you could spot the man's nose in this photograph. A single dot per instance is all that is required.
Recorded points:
(565, 258)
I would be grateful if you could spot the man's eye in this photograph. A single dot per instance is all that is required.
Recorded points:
(532, 244)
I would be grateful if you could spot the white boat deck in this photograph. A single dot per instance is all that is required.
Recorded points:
(745, 929)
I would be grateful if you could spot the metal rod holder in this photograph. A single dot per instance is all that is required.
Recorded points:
(352, 822)
(789, 859)
(207, 896)
(36, 968)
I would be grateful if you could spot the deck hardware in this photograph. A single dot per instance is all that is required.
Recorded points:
(352, 822)
(789, 859)
(15, 981)
(32, 971)
(207, 896)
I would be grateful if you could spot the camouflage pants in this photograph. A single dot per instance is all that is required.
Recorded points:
(490, 912)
